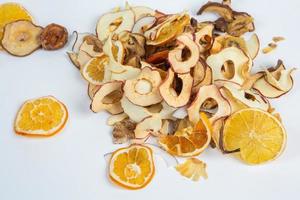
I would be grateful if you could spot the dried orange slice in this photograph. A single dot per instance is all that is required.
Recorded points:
(10, 12)
(132, 167)
(258, 135)
(43, 116)
(94, 70)
(190, 141)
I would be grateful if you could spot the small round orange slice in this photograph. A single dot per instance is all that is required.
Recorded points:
(43, 117)
(132, 167)
(190, 141)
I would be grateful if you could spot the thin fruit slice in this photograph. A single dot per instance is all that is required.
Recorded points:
(190, 141)
(43, 117)
(193, 169)
(10, 12)
(132, 167)
(21, 38)
(259, 135)
(94, 70)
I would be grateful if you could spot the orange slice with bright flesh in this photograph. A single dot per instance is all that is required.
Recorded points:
(94, 70)
(132, 167)
(10, 12)
(258, 135)
(190, 141)
(43, 117)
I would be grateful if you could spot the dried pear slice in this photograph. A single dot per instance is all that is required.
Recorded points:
(206, 92)
(149, 125)
(142, 11)
(92, 46)
(170, 95)
(204, 38)
(239, 60)
(284, 82)
(253, 46)
(54, 37)
(21, 38)
(114, 22)
(113, 119)
(143, 24)
(143, 90)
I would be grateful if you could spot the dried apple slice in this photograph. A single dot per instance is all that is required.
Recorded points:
(235, 104)
(253, 46)
(221, 9)
(73, 57)
(235, 56)
(92, 89)
(114, 22)
(92, 46)
(204, 37)
(199, 72)
(135, 112)
(175, 56)
(79, 38)
(250, 98)
(206, 92)
(208, 79)
(143, 24)
(21, 38)
(170, 95)
(143, 90)
(108, 98)
(113, 119)
(241, 24)
(284, 82)
(149, 125)
(142, 11)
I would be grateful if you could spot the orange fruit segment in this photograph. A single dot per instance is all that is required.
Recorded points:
(193, 169)
(190, 141)
(43, 116)
(94, 70)
(132, 167)
(258, 135)
(10, 12)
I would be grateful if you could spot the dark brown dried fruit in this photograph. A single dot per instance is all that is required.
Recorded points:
(123, 131)
(221, 25)
(54, 37)
(221, 9)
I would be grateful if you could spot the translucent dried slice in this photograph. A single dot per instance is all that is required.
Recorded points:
(193, 169)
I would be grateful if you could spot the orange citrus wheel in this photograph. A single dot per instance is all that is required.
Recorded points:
(132, 167)
(10, 12)
(190, 141)
(43, 117)
(94, 70)
(258, 135)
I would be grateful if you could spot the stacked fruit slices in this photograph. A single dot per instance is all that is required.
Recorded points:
(187, 83)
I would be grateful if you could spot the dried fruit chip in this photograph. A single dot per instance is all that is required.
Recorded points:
(190, 141)
(132, 167)
(193, 169)
(54, 37)
(258, 134)
(10, 12)
(43, 117)
(123, 131)
(21, 38)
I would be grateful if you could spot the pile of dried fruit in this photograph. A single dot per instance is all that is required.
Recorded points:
(19, 36)
(187, 83)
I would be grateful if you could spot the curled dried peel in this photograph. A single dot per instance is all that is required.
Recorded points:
(21, 38)
(143, 90)
(169, 94)
(204, 93)
(241, 64)
(108, 98)
(175, 56)
(193, 169)
(116, 22)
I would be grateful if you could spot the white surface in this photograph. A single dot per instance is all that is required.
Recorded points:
(70, 165)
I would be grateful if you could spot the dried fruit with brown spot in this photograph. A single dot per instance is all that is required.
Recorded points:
(271, 46)
(21, 38)
(54, 37)
(123, 131)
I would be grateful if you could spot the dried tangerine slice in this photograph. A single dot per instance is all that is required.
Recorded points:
(258, 135)
(190, 141)
(10, 12)
(43, 116)
(94, 70)
(132, 167)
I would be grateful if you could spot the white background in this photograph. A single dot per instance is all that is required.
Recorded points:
(70, 165)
